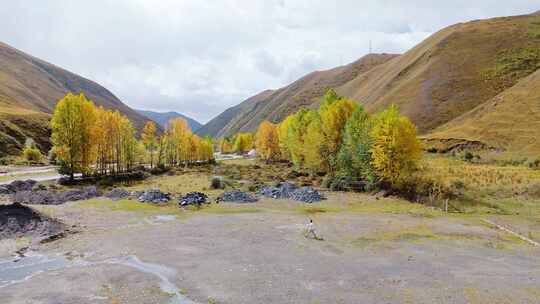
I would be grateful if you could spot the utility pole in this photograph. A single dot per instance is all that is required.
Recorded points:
(370, 50)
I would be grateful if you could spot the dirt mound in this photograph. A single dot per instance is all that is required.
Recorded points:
(237, 196)
(18, 185)
(51, 197)
(17, 220)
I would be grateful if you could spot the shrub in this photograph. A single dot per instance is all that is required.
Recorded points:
(217, 183)
(32, 154)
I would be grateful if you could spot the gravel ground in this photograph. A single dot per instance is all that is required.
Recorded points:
(242, 255)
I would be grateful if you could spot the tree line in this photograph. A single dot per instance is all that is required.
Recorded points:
(93, 140)
(342, 139)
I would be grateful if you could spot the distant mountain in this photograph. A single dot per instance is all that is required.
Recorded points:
(29, 91)
(470, 84)
(163, 118)
(275, 105)
(218, 125)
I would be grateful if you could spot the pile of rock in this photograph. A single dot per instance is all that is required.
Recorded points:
(51, 197)
(283, 190)
(237, 196)
(18, 185)
(118, 194)
(153, 196)
(291, 191)
(193, 198)
(17, 220)
(307, 195)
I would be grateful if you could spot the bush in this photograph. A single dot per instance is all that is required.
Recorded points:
(32, 154)
(217, 183)
(533, 163)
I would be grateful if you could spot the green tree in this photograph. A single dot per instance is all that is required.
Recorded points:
(354, 158)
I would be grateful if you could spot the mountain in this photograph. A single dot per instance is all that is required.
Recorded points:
(450, 85)
(275, 105)
(29, 91)
(452, 71)
(217, 126)
(509, 121)
(162, 118)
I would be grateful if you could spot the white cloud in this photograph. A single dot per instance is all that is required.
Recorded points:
(200, 57)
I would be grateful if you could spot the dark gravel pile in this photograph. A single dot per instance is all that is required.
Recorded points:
(307, 195)
(18, 185)
(51, 197)
(291, 191)
(17, 220)
(237, 196)
(193, 198)
(153, 196)
(118, 193)
(283, 190)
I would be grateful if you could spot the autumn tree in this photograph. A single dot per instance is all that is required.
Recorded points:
(313, 149)
(283, 135)
(295, 135)
(243, 142)
(354, 158)
(396, 150)
(148, 137)
(267, 141)
(71, 124)
(334, 113)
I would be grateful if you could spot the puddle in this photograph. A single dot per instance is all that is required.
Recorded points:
(15, 271)
(20, 270)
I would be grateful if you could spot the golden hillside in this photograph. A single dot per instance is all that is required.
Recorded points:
(509, 121)
(29, 90)
(453, 71)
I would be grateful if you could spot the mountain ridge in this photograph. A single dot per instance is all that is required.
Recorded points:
(29, 90)
(162, 118)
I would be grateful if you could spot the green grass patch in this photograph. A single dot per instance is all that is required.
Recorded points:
(227, 209)
(130, 206)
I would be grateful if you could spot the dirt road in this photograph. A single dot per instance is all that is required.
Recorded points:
(127, 252)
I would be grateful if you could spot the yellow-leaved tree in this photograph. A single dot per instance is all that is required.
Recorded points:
(395, 150)
(243, 142)
(267, 141)
(148, 137)
(72, 133)
(283, 133)
(334, 112)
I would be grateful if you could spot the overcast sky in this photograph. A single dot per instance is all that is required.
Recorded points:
(200, 57)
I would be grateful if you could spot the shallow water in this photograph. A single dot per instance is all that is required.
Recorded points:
(20, 270)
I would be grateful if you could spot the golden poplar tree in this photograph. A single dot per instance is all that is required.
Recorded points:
(267, 141)
(148, 137)
(71, 124)
(395, 149)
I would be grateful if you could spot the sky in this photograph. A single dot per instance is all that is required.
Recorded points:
(201, 57)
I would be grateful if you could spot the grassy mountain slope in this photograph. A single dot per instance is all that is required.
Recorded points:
(29, 90)
(509, 121)
(162, 118)
(453, 71)
(302, 93)
(216, 126)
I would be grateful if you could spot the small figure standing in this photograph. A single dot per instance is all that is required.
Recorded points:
(310, 231)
